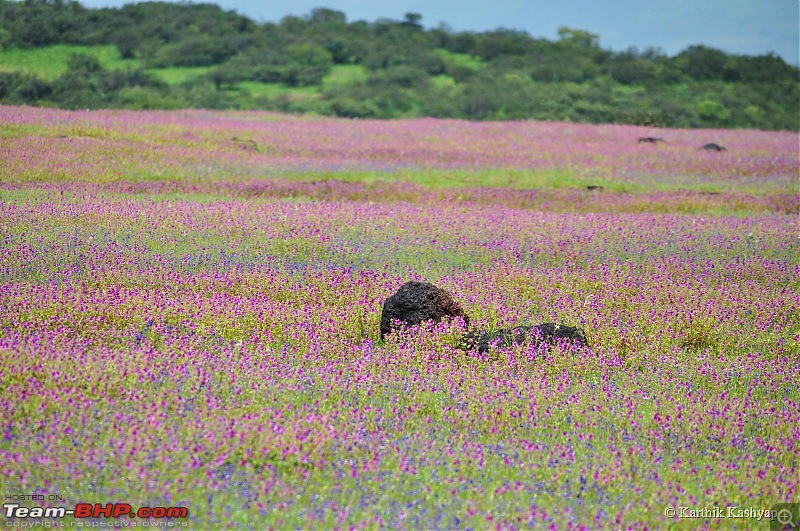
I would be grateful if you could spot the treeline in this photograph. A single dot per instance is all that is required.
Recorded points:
(408, 70)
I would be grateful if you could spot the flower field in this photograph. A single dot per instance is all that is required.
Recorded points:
(191, 305)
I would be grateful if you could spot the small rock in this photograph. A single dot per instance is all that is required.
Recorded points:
(650, 140)
(247, 144)
(713, 147)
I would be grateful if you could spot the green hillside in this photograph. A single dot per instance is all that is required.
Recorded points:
(50, 62)
(166, 55)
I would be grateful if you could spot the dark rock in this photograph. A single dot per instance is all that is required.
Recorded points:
(550, 333)
(416, 302)
(713, 147)
(247, 144)
(650, 140)
(592, 187)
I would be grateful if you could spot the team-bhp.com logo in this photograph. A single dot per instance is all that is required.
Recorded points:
(93, 510)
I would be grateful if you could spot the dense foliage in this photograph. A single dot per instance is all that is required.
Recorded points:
(409, 71)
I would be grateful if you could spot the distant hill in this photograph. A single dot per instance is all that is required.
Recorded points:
(167, 55)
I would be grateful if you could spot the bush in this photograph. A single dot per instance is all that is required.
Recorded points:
(351, 108)
(141, 98)
(403, 76)
(87, 85)
(194, 51)
(126, 42)
(16, 87)
(713, 111)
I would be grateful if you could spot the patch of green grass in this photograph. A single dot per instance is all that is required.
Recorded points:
(272, 90)
(461, 59)
(344, 75)
(442, 178)
(188, 197)
(51, 61)
(18, 130)
(22, 195)
(517, 178)
(499, 178)
(629, 90)
(443, 81)
(179, 74)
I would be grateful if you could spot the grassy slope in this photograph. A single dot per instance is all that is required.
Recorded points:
(50, 62)
(344, 75)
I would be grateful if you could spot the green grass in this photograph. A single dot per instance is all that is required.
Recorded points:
(339, 75)
(344, 75)
(16, 131)
(443, 80)
(179, 74)
(50, 62)
(461, 59)
(492, 178)
(272, 90)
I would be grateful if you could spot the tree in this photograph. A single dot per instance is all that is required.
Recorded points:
(578, 38)
(326, 17)
(702, 63)
(413, 20)
(126, 42)
(502, 41)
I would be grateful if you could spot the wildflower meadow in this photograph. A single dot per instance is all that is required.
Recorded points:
(190, 306)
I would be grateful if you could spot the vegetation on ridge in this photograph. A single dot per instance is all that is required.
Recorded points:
(164, 55)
